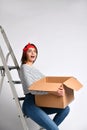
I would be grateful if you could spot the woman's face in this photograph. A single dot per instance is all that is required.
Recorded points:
(31, 55)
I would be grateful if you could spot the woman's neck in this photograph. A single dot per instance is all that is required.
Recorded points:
(29, 63)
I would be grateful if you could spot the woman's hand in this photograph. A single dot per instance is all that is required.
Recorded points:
(59, 92)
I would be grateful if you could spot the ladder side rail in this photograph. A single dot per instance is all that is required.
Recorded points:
(9, 46)
(3, 73)
(13, 91)
(1, 83)
(2, 77)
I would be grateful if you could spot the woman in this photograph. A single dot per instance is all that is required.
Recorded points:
(29, 74)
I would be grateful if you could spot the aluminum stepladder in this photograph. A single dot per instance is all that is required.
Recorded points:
(6, 69)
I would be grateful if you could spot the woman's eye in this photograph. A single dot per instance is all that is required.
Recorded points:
(35, 51)
(29, 51)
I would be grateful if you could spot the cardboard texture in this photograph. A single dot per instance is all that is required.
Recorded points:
(51, 84)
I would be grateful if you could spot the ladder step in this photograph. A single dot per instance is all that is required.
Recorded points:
(10, 67)
(16, 82)
(21, 98)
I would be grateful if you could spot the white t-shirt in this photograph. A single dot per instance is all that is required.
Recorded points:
(28, 75)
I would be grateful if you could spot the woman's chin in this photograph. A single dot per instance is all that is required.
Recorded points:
(32, 60)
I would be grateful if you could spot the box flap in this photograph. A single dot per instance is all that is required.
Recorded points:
(42, 85)
(48, 87)
(73, 83)
(57, 79)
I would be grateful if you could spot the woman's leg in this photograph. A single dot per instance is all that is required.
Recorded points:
(59, 117)
(37, 114)
(60, 114)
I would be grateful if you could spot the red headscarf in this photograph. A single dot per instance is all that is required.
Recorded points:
(27, 47)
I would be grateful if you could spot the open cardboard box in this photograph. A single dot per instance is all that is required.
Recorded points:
(51, 84)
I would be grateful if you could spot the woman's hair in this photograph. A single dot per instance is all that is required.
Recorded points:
(24, 56)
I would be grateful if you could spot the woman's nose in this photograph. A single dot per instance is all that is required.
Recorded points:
(32, 52)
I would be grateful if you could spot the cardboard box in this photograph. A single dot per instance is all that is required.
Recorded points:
(51, 84)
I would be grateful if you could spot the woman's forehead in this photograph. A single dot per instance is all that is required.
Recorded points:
(33, 49)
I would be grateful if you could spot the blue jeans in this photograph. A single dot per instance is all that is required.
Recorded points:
(40, 114)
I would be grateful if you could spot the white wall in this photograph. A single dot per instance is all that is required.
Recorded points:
(58, 28)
